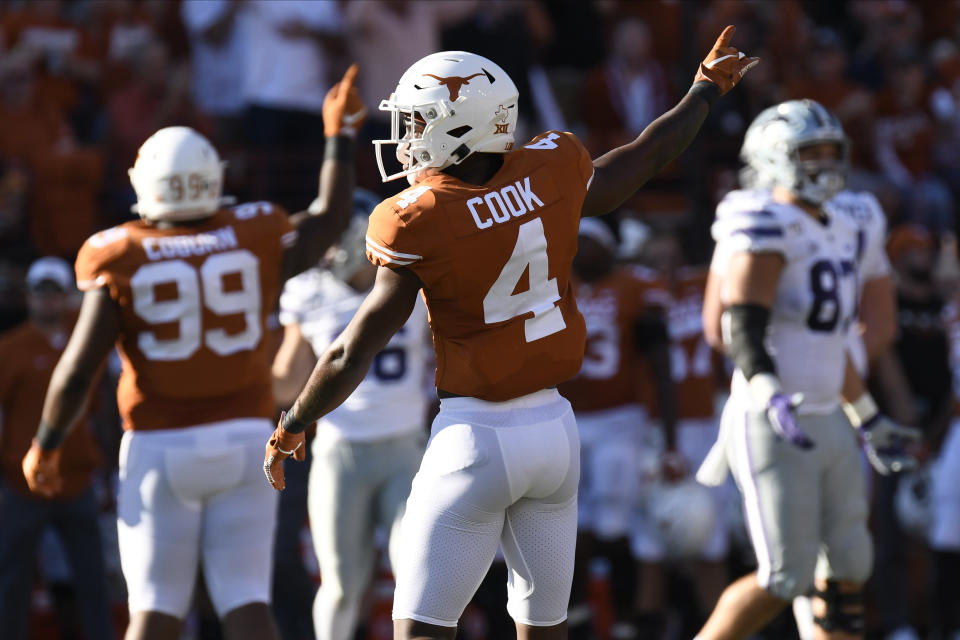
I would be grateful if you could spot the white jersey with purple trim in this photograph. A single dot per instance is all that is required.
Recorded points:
(816, 299)
(865, 211)
(392, 399)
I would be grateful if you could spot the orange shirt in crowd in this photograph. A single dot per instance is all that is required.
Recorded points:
(194, 302)
(28, 358)
(495, 262)
(614, 372)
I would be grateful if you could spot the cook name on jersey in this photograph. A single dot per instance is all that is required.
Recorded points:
(494, 260)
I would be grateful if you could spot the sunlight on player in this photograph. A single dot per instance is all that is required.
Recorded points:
(184, 293)
(488, 232)
(790, 254)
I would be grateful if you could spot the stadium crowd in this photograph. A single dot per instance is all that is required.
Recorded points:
(84, 83)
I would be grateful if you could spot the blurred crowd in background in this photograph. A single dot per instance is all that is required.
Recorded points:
(84, 83)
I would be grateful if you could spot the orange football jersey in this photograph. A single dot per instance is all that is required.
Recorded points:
(194, 301)
(495, 265)
(693, 362)
(613, 372)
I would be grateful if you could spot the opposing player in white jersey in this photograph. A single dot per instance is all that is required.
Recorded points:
(790, 267)
(366, 451)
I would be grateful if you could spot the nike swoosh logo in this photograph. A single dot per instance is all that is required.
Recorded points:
(713, 63)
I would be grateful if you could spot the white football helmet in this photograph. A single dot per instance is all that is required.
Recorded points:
(685, 515)
(178, 175)
(771, 144)
(445, 107)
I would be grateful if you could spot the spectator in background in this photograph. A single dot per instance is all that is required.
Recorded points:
(66, 61)
(289, 49)
(386, 37)
(29, 354)
(216, 49)
(65, 177)
(157, 96)
(905, 136)
(628, 92)
(922, 348)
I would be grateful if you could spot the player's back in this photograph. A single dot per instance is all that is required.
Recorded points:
(193, 301)
(613, 373)
(495, 262)
(816, 297)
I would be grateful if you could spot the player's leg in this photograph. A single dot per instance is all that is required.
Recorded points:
(539, 531)
(77, 526)
(22, 521)
(781, 494)
(837, 605)
(694, 440)
(580, 612)
(945, 535)
(340, 501)
(401, 457)
(239, 520)
(452, 523)
(158, 532)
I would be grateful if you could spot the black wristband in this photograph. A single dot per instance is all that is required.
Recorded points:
(49, 438)
(706, 90)
(290, 423)
(339, 148)
(744, 338)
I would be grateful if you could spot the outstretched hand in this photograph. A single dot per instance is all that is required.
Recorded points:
(725, 66)
(343, 110)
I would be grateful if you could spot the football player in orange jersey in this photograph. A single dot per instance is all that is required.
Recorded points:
(625, 374)
(697, 371)
(184, 293)
(488, 233)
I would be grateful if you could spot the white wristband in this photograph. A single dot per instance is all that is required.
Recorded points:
(861, 410)
(762, 387)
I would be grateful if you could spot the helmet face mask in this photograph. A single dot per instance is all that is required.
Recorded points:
(178, 176)
(447, 106)
(772, 151)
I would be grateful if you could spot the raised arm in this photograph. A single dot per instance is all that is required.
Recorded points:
(328, 217)
(620, 172)
(93, 337)
(344, 364)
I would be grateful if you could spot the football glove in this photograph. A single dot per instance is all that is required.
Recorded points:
(780, 409)
(42, 470)
(884, 441)
(281, 446)
(724, 66)
(343, 110)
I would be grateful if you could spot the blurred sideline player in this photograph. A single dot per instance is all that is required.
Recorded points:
(366, 451)
(29, 353)
(184, 294)
(488, 232)
(944, 536)
(697, 373)
(626, 361)
(789, 264)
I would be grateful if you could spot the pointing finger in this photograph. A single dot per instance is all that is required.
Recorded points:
(724, 39)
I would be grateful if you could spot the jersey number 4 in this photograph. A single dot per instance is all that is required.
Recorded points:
(186, 308)
(501, 303)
